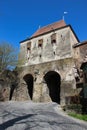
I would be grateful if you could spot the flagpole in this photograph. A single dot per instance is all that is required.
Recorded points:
(64, 13)
(63, 17)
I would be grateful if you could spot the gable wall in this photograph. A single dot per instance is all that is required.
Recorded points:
(62, 49)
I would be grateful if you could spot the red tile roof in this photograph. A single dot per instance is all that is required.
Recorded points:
(49, 27)
(80, 44)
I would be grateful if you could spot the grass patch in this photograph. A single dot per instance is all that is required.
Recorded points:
(78, 116)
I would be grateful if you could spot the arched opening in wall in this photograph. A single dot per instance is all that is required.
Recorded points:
(28, 78)
(12, 91)
(53, 81)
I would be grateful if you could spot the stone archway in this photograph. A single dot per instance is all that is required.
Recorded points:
(28, 78)
(53, 81)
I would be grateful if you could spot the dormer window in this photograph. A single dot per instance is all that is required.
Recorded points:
(40, 43)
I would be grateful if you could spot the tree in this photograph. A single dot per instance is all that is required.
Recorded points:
(8, 56)
(8, 73)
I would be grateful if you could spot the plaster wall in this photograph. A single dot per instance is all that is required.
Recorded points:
(49, 52)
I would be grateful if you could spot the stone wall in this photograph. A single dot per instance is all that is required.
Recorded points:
(43, 57)
(4, 90)
(63, 67)
(83, 51)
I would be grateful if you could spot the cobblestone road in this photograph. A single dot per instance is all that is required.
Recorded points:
(36, 116)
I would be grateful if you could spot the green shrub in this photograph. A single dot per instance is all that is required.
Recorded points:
(79, 116)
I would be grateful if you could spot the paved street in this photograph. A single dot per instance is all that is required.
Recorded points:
(36, 116)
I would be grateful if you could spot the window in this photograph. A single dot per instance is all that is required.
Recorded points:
(53, 38)
(28, 50)
(28, 46)
(40, 55)
(63, 37)
(40, 43)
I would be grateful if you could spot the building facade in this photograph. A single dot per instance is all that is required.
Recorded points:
(48, 64)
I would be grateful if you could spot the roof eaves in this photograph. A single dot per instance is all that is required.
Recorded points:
(24, 40)
(74, 33)
(42, 34)
(51, 31)
(58, 29)
(80, 44)
(47, 32)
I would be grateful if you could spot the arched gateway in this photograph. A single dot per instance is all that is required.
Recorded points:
(53, 81)
(28, 78)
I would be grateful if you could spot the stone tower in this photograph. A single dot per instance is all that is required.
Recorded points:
(48, 64)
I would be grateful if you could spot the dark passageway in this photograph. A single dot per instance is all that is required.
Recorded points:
(12, 91)
(53, 81)
(29, 80)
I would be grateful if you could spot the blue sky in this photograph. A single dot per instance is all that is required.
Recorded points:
(19, 19)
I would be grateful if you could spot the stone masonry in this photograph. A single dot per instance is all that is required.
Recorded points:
(48, 65)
